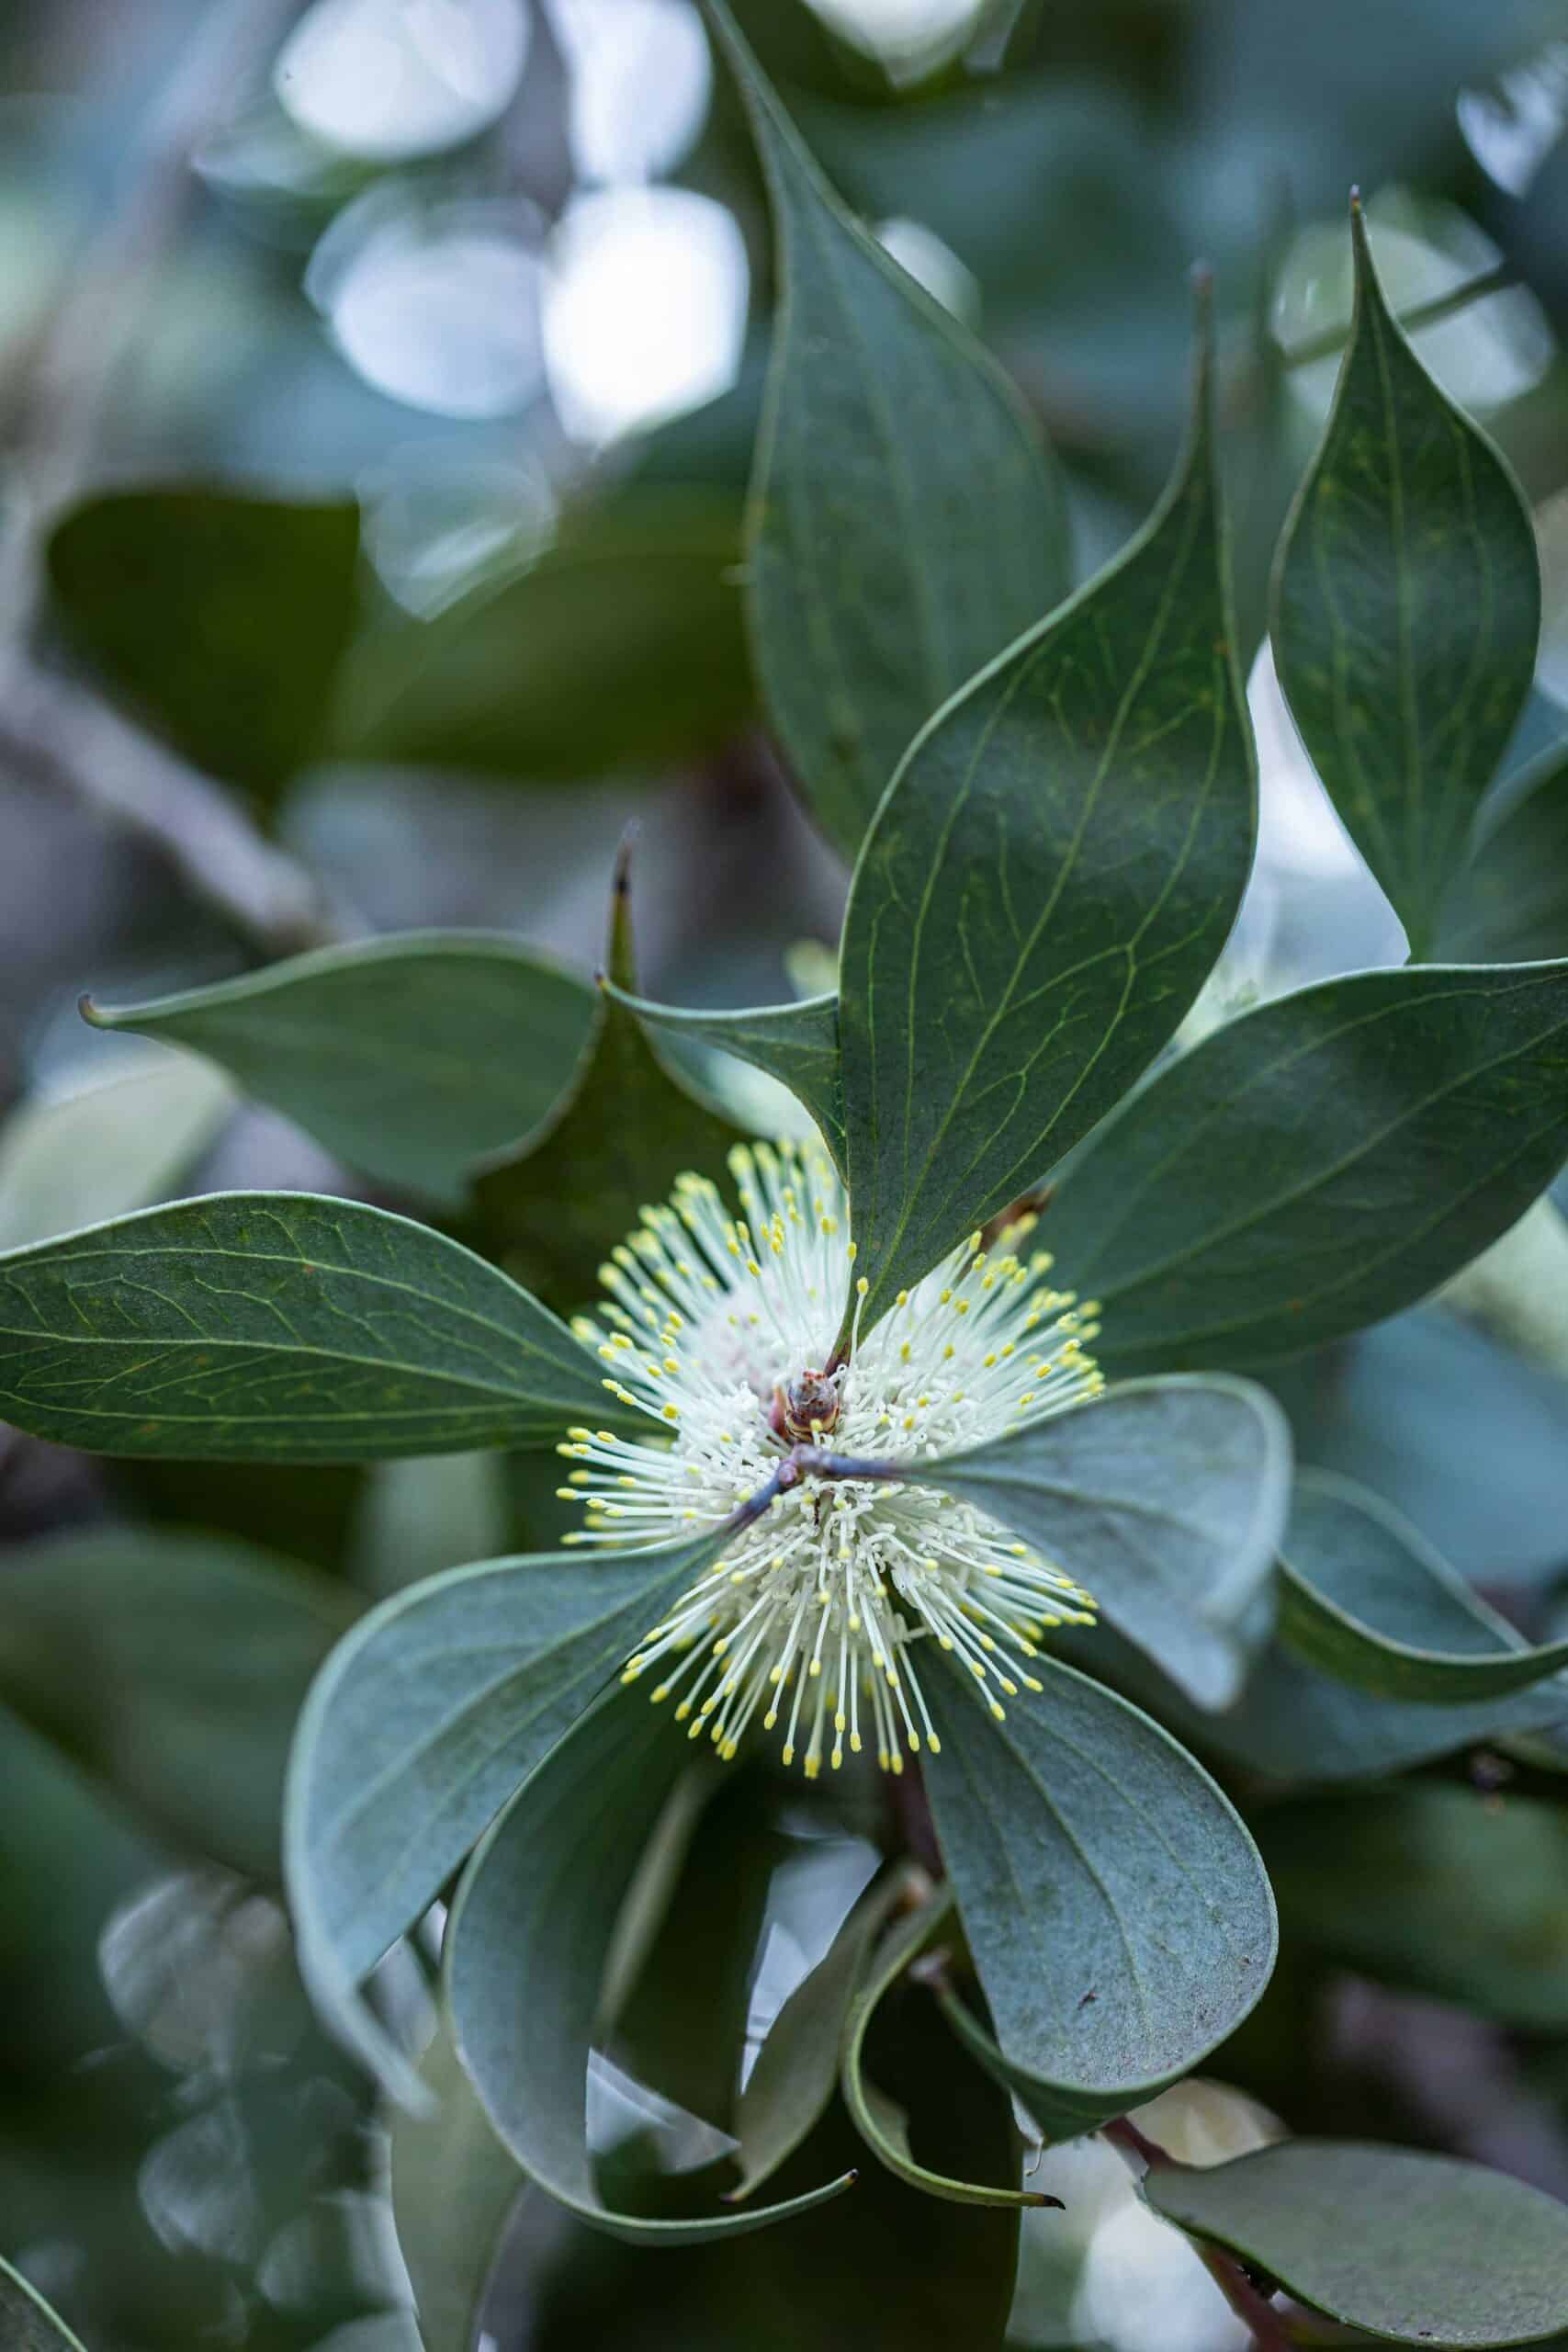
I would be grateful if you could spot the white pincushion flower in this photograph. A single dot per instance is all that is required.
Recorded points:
(721, 1329)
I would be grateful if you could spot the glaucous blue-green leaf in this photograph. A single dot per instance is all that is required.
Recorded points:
(279, 1326)
(221, 617)
(70, 1159)
(1406, 609)
(170, 1666)
(1115, 1908)
(553, 1209)
(1344, 1553)
(526, 1946)
(904, 521)
(1433, 1888)
(622, 646)
(1509, 903)
(409, 1057)
(797, 1044)
(1414, 2248)
(454, 2189)
(27, 2321)
(880, 2120)
(1317, 1164)
(1044, 888)
(418, 1730)
(1165, 1499)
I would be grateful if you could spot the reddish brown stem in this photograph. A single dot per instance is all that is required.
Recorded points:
(1269, 2333)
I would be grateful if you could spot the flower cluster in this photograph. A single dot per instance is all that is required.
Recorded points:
(720, 1330)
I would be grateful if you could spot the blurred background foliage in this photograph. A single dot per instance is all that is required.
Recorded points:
(378, 386)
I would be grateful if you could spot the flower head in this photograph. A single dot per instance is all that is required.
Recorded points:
(721, 1328)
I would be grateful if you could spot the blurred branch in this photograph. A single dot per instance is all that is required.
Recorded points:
(49, 727)
(1496, 280)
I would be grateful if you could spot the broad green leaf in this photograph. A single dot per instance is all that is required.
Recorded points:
(1508, 904)
(1165, 1499)
(790, 2086)
(880, 2120)
(27, 2321)
(1346, 1551)
(222, 619)
(1415, 2248)
(279, 1326)
(409, 1057)
(904, 524)
(621, 645)
(1318, 1164)
(454, 2188)
(526, 1946)
(419, 1728)
(1116, 1909)
(796, 1043)
(1432, 1888)
(1407, 606)
(553, 1210)
(107, 1149)
(1045, 890)
(170, 1668)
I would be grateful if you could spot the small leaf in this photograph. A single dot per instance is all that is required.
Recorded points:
(1434, 1889)
(27, 2321)
(454, 2189)
(1317, 1164)
(1407, 606)
(1415, 2248)
(905, 521)
(279, 1326)
(1045, 890)
(170, 1669)
(409, 1057)
(1116, 1909)
(880, 2122)
(106, 1150)
(419, 1728)
(555, 1209)
(222, 618)
(796, 1043)
(1343, 1546)
(1508, 904)
(1166, 1499)
(621, 645)
(526, 1946)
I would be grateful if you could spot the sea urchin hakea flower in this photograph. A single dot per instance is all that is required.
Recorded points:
(720, 1330)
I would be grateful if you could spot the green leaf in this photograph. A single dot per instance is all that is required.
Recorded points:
(1343, 1545)
(622, 645)
(1318, 1164)
(1508, 904)
(1415, 2248)
(222, 618)
(904, 524)
(170, 1668)
(1045, 890)
(106, 1150)
(1407, 606)
(409, 1057)
(792, 2083)
(1116, 1909)
(1165, 1499)
(1435, 1889)
(880, 2122)
(796, 1043)
(26, 2321)
(419, 1728)
(454, 2189)
(553, 1210)
(279, 1326)
(526, 1946)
